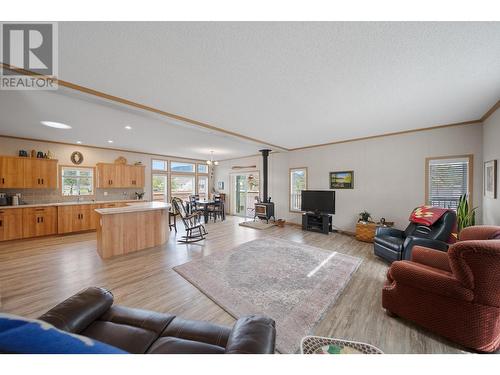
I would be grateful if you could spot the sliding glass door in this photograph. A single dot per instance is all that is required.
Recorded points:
(245, 189)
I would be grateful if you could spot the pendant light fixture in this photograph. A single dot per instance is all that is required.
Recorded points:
(211, 161)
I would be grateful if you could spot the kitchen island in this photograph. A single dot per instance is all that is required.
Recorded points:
(136, 226)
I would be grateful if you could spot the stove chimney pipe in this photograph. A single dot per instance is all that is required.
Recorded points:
(265, 155)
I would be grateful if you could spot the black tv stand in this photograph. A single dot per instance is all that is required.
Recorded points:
(317, 222)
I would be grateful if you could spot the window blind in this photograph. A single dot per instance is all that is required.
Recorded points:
(448, 180)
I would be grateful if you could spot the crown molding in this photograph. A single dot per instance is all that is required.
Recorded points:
(134, 104)
(183, 158)
(490, 111)
(195, 123)
(472, 122)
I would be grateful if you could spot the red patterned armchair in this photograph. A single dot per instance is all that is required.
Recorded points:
(454, 294)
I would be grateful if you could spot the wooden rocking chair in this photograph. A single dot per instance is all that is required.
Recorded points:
(195, 231)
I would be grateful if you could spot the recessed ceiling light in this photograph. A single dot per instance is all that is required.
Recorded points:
(57, 125)
(128, 127)
(110, 141)
(79, 142)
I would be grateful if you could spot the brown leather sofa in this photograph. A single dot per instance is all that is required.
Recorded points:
(91, 313)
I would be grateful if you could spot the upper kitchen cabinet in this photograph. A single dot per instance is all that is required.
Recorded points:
(11, 172)
(17, 172)
(119, 175)
(133, 176)
(108, 175)
(40, 174)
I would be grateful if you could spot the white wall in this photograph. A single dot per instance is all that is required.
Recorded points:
(92, 156)
(224, 170)
(389, 172)
(278, 177)
(491, 151)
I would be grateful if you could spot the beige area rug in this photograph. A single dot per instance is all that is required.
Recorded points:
(292, 283)
(260, 224)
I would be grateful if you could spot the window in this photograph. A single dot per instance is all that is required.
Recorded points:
(203, 187)
(182, 186)
(298, 182)
(202, 168)
(447, 179)
(176, 166)
(159, 185)
(181, 180)
(77, 181)
(159, 165)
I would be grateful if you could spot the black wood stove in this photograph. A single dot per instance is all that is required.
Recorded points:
(264, 210)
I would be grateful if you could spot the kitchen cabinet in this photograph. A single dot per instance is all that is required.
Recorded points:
(40, 174)
(138, 175)
(11, 224)
(108, 175)
(75, 218)
(120, 175)
(132, 176)
(11, 172)
(94, 216)
(39, 221)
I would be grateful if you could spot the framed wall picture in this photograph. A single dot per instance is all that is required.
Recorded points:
(220, 185)
(342, 180)
(490, 179)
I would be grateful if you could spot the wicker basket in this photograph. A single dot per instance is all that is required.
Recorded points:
(365, 231)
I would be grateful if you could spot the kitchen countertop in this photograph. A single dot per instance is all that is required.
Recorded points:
(134, 207)
(72, 203)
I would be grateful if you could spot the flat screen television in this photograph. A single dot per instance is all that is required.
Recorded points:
(322, 201)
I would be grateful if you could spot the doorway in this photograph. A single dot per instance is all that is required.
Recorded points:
(245, 189)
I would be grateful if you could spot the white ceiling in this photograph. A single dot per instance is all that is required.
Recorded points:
(95, 121)
(290, 84)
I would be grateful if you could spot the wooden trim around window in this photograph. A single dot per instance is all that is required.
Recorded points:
(59, 178)
(290, 186)
(203, 173)
(162, 172)
(470, 179)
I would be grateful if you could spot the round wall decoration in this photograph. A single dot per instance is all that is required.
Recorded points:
(77, 157)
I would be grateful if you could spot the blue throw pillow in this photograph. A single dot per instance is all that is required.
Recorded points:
(30, 336)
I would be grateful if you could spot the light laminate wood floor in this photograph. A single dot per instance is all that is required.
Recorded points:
(36, 274)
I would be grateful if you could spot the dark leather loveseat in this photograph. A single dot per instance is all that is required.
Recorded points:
(91, 313)
(393, 244)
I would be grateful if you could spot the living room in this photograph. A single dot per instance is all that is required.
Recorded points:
(252, 188)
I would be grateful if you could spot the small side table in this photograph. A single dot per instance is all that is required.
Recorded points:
(365, 230)
(328, 345)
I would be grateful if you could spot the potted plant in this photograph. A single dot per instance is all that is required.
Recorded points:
(364, 216)
(466, 217)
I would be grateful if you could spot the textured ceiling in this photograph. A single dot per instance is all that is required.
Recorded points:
(289, 84)
(95, 121)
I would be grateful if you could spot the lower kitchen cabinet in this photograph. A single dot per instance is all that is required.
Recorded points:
(39, 221)
(16, 223)
(11, 224)
(77, 218)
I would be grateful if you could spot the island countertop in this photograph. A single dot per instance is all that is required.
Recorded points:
(134, 207)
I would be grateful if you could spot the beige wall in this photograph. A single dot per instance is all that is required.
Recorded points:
(389, 172)
(491, 151)
(92, 156)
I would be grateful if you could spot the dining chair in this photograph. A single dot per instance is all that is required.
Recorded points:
(217, 209)
(193, 206)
